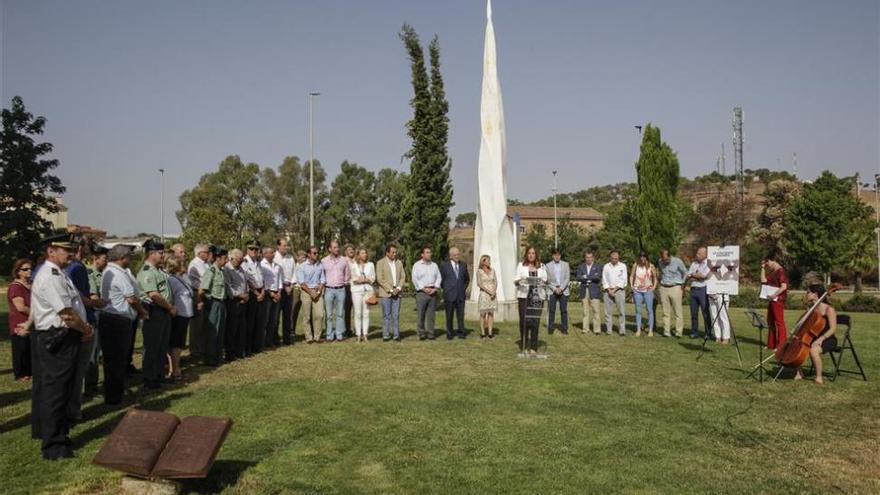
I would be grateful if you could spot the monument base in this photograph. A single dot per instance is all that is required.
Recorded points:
(506, 311)
(138, 486)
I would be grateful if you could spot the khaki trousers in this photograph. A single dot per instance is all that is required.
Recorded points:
(670, 299)
(592, 313)
(313, 316)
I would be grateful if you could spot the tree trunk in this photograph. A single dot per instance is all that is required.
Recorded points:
(858, 283)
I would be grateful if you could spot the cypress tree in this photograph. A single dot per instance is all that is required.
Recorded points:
(656, 207)
(429, 193)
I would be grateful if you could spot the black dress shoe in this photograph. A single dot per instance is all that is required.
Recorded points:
(431, 337)
(422, 338)
(450, 337)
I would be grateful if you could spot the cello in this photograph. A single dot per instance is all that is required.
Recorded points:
(795, 350)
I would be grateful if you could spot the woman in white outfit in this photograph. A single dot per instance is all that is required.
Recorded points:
(363, 275)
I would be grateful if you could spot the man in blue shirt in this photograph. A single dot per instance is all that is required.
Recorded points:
(672, 276)
(79, 275)
(310, 276)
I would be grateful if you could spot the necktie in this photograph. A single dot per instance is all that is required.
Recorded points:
(455, 269)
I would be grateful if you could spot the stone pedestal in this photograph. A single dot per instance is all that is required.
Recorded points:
(507, 311)
(139, 486)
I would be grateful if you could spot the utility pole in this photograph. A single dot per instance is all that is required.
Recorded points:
(723, 165)
(312, 96)
(555, 222)
(738, 152)
(794, 163)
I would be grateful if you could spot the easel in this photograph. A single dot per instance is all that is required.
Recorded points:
(759, 323)
(725, 300)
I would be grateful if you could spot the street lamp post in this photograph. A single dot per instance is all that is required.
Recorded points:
(162, 173)
(555, 222)
(312, 96)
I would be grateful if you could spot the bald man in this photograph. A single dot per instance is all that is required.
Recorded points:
(455, 277)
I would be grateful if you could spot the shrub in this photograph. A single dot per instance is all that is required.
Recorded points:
(860, 303)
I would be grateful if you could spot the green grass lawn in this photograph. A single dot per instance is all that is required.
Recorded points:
(602, 414)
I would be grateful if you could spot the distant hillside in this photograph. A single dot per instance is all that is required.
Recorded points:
(696, 190)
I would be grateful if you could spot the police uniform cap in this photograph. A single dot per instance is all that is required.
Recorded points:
(98, 250)
(153, 245)
(253, 245)
(62, 241)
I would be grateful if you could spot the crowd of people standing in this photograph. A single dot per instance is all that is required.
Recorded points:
(224, 305)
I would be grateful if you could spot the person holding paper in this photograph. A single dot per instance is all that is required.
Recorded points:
(773, 274)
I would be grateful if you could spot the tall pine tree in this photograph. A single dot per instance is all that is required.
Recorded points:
(656, 207)
(429, 192)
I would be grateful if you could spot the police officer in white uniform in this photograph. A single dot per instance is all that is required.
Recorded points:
(60, 328)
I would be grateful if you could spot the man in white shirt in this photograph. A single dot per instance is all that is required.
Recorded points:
(426, 280)
(60, 327)
(273, 285)
(196, 270)
(255, 313)
(286, 261)
(614, 282)
(120, 289)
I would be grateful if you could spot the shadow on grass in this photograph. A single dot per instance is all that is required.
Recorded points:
(224, 473)
(11, 398)
(105, 427)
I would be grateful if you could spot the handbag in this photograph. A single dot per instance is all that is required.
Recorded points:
(372, 300)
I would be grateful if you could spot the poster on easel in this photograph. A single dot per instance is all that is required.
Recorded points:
(723, 270)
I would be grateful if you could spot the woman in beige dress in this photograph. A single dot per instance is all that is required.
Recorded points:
(488, 284)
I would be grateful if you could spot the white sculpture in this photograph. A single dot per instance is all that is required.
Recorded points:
(494, 231)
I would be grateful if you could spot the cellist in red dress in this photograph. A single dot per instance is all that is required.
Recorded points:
(773, 274)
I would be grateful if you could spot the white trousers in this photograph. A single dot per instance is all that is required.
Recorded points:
(721, 328)
(361, 313)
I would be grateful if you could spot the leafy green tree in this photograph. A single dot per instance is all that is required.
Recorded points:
(864, 257)
(465, 219)
(26, 186)
(574, 240)
(288, 190)
(227, 207)
(620, 232)
(820, 221)
(721, 221)
(768, 233)
(657, 205)
(352, 197)
(389, 192)
(429, 195)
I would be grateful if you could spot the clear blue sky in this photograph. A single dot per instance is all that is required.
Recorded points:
(132, 86)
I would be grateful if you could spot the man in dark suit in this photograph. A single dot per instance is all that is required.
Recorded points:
(455, 279)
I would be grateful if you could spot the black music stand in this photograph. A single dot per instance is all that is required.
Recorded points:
(760, 368)
(725, 300)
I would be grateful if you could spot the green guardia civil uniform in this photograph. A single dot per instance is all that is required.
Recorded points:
(214, 284)
(157, 329)
(91, 383)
